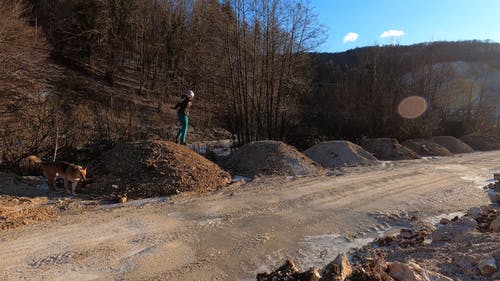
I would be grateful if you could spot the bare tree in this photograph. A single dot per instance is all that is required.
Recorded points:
(265, 46)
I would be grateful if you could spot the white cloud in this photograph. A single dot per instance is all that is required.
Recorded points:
(392, 33)
(351, 37)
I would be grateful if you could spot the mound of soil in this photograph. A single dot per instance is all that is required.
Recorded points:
(482, 143)
(453, 144)
(154, 168)
(332, 154)
(388, 149)
(426, 147)
(270, 158)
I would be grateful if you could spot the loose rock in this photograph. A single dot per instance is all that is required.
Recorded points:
(289, 272)
(338, 270)
(413, 272)
(475, 212)
(495, 225)
(455, 230)
(487, 267)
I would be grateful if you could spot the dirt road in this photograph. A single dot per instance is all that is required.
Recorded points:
(234, 233)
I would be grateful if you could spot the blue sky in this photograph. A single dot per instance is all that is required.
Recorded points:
(358, 23)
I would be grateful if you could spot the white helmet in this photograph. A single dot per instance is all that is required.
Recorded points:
(190, 94)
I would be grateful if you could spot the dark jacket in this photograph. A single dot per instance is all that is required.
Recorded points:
(183, 106)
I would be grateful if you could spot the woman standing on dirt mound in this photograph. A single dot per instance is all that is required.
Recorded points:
(183, 115)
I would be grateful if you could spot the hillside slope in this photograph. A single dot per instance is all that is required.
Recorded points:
(42, 100)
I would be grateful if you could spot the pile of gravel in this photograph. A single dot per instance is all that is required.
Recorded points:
(272, 158)
(388, 149)
(482, 143)
(333, 154)
(426, 147)
(453, 144)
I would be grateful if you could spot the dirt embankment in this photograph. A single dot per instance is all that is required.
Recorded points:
(154, 168)
(333, 154)
(453, 144)
(426, 147)
(388, 149)
(272, 158)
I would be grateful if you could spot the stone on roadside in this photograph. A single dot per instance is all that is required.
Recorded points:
(444, 221)
(338, 269)
(486, 209)
(406, 233)
(289, 272)
(495, 225)
(497, 197)
(455, 230)
(487, 267)
(466, 262)
(475, 212)
(311, 275)
(373, 268)
(413, 272)
(401, 271)
(496, 255)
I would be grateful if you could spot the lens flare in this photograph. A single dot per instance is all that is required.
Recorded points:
(412, 107)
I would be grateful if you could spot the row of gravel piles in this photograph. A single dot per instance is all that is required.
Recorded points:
(159, 168)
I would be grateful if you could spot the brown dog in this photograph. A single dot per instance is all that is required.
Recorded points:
(69, 172)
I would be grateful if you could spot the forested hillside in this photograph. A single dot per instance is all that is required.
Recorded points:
(122, 64)
(76, 73)
(359, 91)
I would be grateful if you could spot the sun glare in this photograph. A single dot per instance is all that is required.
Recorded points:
(412, 107)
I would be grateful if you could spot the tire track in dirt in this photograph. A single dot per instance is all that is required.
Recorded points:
(379, 183)
(111, 244)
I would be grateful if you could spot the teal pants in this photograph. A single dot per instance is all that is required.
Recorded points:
(182, 134)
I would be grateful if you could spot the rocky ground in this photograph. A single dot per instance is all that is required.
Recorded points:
(461, 248)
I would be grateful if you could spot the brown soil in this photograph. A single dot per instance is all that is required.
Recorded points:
(332, 154)
(270, 158)
(388, 149)
(453, 144)
(27, 200)
(18, 211)
(154, 168)
(426, 147)
(482, 143)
